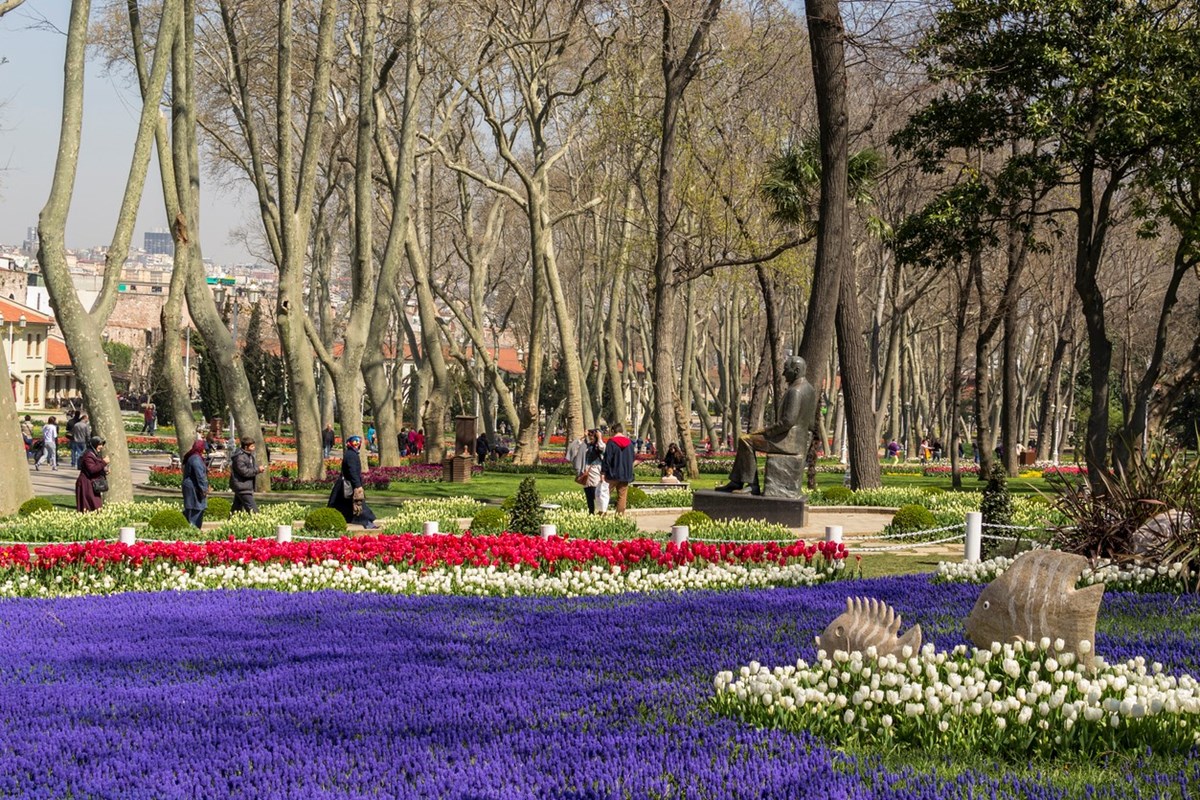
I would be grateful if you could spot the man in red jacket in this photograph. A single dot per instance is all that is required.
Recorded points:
(616, 467)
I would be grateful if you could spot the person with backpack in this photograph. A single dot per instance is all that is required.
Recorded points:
(242, 472)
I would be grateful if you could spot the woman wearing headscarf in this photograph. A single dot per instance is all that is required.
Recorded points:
(93, 476)
(195, 484)
(348, 496)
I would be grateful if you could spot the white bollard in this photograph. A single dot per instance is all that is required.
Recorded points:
(127, 535)
(833, 533)
(974, 537)
(283, 533)
(679, 534)
(548, 530)
(430, 528)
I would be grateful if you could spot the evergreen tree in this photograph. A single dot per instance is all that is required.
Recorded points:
(158, 387)
(997, 507)
(255, 360)
(212, 395)
(527, 515)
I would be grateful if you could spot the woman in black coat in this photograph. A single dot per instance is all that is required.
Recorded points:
(350, 483)
(674, 460)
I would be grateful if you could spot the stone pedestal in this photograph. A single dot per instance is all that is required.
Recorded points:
(457, 469)
(784, 476)
(792, 512)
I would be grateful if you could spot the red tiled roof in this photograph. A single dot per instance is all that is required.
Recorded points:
(56, 352)
(11, 311)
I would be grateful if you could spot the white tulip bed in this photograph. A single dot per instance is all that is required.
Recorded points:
(392, 579)
(1020, 701)
(1172, 578)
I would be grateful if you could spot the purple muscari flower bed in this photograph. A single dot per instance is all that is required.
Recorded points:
(328, 695)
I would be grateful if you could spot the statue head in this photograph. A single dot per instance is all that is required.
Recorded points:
(794, 369)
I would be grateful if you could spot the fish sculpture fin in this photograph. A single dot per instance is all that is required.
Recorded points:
(912, 638)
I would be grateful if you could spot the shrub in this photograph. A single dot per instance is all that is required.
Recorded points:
(526, 516)
(171, 519)
(1160, 491)
(34, 506)
(838, 495)
(693, 519)
(219, 509)
(932, 490)
(324, 520)
(637, 498)
(997, 506)
(489, 522)
(912, 518)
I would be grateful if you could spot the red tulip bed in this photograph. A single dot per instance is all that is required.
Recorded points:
(505, 565)
(423, 552)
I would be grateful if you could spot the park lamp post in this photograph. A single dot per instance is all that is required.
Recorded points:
(234, 294)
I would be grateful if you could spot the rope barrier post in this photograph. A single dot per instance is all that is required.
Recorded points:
(548, 530)
(833, 533)
(679, 534)
(283, 533)
(127, 535)
(974, 537)
(430, 528)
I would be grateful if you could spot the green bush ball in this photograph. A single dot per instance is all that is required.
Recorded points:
(35, 506)
(324, 520)
(837, 495)
(932, 490)
(171, 519)
(636, 498)
(219, 509)
(693, 519)
(489, 522)
(912, 518)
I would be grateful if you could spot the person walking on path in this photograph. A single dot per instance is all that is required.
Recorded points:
(348, 496)
(594, 487)
(242, 472)
(617, 465)
(195, 484)
(327, 439)
(482, 446)
(893, 451)
(92, 482)
(81, 435)
(149, 419)
(27, 432)
(420, 441)
(577, 456)
(50, 445)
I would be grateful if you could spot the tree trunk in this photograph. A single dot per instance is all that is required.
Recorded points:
(81, 329)
(678, 71)
(956, 377)
(218, 341)
(15, 487)
(827, 35)
(856, 387)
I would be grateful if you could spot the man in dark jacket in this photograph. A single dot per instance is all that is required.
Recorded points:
(242, 472)
(81, 433)
(616, 467)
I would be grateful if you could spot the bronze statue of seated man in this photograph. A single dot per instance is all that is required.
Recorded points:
(788, 436)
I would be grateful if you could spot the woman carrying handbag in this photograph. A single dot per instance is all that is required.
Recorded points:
(92, 482)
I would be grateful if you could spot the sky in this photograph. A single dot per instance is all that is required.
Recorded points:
(30, 111)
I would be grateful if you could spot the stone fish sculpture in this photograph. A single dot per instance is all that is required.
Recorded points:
(1036, 597)
(868, 623)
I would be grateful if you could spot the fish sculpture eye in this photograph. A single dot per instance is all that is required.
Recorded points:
(987, 604)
